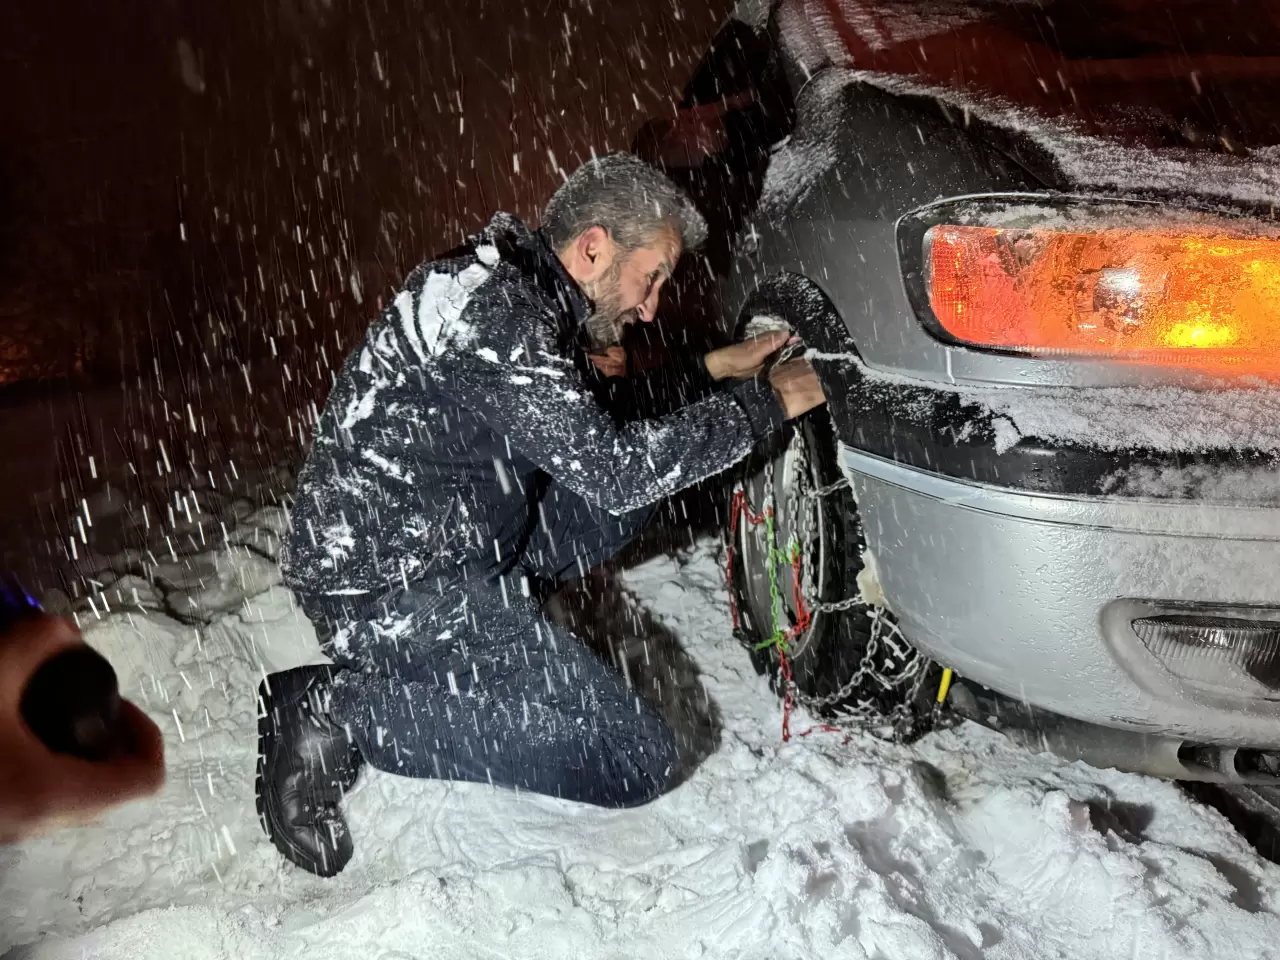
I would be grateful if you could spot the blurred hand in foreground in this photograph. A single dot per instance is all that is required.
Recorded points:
(40, 789)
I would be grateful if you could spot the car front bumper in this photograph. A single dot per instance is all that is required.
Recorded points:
(1019, 591)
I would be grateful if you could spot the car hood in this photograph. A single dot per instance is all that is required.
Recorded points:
(1130, 108)
(1196, 73)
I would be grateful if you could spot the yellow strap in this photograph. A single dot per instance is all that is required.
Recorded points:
(945, 685)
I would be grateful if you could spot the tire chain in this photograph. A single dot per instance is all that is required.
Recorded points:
(841, 484)
(914, 665)
(914, 668)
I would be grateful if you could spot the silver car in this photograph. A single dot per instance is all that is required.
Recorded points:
(1031, 250)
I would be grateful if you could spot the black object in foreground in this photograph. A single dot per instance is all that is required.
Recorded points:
(72, 702)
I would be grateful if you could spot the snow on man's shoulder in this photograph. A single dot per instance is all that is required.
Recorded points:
(431, 317)
(508, 317)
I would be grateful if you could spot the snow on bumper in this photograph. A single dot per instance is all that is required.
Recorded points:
(1009, 588)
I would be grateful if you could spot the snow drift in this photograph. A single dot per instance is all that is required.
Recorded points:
(959, 846)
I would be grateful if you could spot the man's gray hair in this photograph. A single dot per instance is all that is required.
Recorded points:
(630, 199)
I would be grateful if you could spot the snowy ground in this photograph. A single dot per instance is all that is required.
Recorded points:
(959, 846)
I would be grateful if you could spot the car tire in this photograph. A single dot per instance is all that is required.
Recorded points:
(851, 662)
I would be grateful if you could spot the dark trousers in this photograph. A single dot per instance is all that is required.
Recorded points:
(464, 679)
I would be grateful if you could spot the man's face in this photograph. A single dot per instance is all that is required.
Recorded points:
(629, 286)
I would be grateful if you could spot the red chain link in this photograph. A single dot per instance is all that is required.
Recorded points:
(739, 509)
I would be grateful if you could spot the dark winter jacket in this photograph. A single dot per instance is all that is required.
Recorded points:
(468, 395)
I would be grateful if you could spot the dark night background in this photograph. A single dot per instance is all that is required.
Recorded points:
(201, 203)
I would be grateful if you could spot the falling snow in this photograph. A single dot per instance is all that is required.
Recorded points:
(959, 845)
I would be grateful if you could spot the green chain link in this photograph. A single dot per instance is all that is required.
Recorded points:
(773, 556)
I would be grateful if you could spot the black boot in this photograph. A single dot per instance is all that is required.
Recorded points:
(306, 764)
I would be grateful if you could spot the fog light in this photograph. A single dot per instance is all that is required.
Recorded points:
(1218, 654)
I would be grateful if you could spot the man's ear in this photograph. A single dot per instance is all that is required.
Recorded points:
(589, 255)
(595, 250)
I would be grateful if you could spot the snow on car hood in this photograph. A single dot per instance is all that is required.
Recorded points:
(1202, 74)
(1089, 162)
(1101, 162)
(1105, 89)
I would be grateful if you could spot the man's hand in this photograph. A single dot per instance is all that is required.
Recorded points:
(797, 387)
(611, 362)
(746, 359)
(41, 789)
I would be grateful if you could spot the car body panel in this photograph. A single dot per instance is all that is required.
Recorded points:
(1010, 589)
(1199, 74)
(1002, 561)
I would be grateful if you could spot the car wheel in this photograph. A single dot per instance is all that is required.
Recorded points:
(806, 600)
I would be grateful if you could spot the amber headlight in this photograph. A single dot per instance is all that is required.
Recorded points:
(1130, 282)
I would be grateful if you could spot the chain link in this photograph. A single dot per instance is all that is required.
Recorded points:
(828, 606)
(841, 484)
(886, 646)
(839, 606)
(913, 669)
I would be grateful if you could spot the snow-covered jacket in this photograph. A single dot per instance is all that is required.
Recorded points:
(468, 395)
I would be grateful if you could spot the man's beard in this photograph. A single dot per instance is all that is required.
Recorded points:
(606, 329)
(608, 323)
